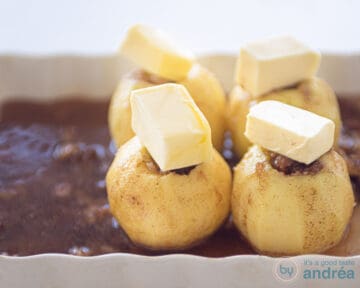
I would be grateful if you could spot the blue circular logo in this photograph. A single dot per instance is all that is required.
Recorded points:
(285, 270)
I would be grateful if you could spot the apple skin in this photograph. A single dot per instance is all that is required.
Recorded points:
(167, 210)
(291, 214)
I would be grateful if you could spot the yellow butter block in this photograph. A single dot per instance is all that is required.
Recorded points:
(170, 125)
(274, 63)
(153, 51)
(293, 132)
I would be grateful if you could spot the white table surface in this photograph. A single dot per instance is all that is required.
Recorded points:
(96, 27)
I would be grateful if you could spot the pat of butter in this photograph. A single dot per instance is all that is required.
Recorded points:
(170, 125)
(274, 63)
(154, 52)
(293, 132)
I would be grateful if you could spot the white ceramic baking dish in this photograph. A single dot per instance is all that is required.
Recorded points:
(52, 77)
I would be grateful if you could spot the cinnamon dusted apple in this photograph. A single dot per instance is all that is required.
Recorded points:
(160, 61)
(280, 69)
(291, 192)
(168, 187)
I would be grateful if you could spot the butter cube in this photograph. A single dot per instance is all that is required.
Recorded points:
(154, 52)
(274, 63)
(170, 125)
(293, 132)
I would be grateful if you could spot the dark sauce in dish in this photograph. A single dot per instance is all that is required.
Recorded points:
(53, 161)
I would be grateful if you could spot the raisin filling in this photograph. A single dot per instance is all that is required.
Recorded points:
(291, 167)
(152, 166)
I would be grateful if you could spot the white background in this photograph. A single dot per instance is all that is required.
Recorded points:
(96, 27)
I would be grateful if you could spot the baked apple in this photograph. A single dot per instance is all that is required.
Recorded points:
(314, 95)
(171, 210)
(283, 207)
(204, 88)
